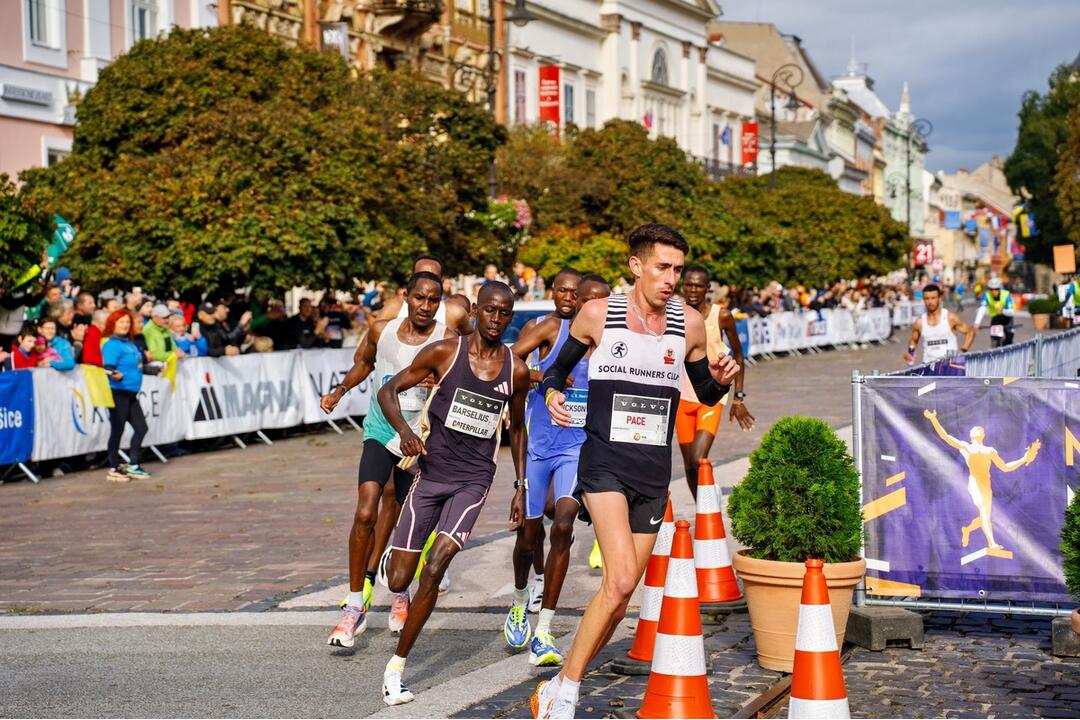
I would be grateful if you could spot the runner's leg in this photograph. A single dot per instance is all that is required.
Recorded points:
(389, 508)
(438, 559)
(558, 559)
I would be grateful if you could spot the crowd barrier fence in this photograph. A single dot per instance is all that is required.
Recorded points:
(1042, 356)
(811, 330)
(46, 415)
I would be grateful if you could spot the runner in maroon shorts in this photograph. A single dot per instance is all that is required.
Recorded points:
(476, 376)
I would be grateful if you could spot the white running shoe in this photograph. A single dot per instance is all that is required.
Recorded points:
(353, 623)
(543, 698)
(393, 692)
(562, 709)
(536, 594)
(399, 612)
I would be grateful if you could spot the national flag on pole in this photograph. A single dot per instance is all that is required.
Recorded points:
(647, 120)
(725, 137)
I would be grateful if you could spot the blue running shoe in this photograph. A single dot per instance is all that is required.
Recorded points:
(542, 651)
(516, 629)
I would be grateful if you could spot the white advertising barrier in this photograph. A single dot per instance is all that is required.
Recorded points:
(66, 424)
(880, 323)
(323, 371)
(761, 339)
(789, 331)
(842, 327)
(244, 393)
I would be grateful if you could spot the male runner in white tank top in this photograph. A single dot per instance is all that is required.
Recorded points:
(642, 343)
(386, 349)
(449, 314)
(937, 329)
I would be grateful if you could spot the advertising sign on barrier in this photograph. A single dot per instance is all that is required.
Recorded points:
(245, 393)
(66, 423)
(16, 417)
(742, 329)
(965, 484)
(324, 371)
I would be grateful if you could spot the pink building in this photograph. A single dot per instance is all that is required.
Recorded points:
(51, 50)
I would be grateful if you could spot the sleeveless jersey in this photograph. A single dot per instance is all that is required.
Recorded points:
(391, 357)
(546, 439)
(938, 340)
(440, 314)
(714, 348)
(465, 419)
(634, 384)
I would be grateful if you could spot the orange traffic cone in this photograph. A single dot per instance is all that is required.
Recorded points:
(678, 685)
(817, 683)
(717, 588)
(638, 659)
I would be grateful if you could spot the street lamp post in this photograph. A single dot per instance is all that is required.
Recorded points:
(921, 129)
(791, 75)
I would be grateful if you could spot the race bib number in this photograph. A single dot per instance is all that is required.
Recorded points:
(997, 331)
(577, 404)
(413, 399)
(474, 414)
(639, 420)
(934, 343)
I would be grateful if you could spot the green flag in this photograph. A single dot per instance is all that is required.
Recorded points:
(63, 236)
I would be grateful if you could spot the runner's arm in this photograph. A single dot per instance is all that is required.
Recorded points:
(518, 440)
(429, 361)
(711, 380)
(536, 335)
(913, 343)
(363, 364)
(959, 326)
(584, 334)
(738, 412)
(981, 312)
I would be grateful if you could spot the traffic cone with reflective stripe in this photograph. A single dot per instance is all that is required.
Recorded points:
(717, 588)
(817, 683)
(678, 685)
(638, 659)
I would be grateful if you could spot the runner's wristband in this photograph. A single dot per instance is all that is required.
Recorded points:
(555, 378)
(709, 392)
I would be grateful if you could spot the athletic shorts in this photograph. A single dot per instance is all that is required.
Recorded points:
(377, 464)
(451, 508)
(693, 417)
(646, 513)
(562, 469)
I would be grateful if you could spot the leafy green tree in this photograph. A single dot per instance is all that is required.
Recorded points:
(1068, 180)
(24, 232)
(577, 247)
(221, 158)
(1030, 169)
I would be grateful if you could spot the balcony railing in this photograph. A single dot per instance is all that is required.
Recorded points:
(395, 7)
(404, 19)
(718, 169)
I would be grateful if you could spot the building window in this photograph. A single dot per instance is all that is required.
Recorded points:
(590, 109)
(568, 105)
(54, 156)
(39, 22)
(659, 68)
(144, 14)
(519, 96)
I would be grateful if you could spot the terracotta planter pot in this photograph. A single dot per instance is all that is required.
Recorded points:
(1076, 621)
(1040, 321)
(772, 592)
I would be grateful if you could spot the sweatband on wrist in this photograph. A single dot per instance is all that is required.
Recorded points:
(709, 392)
(555, 378)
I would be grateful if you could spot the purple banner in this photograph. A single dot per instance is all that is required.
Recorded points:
(965, 484)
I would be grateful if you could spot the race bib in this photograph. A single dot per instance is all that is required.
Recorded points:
(577, 404)
(997, 331)
(413, 399)
(639, 420)
(933, 343)
(474, 414)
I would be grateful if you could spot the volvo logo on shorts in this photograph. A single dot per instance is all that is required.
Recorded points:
(619, 349)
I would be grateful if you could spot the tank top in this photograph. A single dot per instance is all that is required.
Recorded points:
(634, 384)
(391, 357)
(938, 340)
(465, 419)
(546, 439)
(440, 313)
(714, 348)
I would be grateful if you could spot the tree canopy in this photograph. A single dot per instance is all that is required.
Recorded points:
(1068, 180)
(220, 158)
(1032, 166)
(24, 232)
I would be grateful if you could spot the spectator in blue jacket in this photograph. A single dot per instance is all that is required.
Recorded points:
(193, 344)
(47, 329)
(123, 362)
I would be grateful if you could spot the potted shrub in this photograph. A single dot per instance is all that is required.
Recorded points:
(1041, 309)
(799, 500)
(1070, 555)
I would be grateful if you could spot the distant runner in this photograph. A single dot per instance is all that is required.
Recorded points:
(937, 329)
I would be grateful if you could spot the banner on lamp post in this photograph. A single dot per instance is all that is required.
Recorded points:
(549, 95)
(749, 143)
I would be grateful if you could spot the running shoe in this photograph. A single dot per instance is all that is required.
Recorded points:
(117, 474)
(561, 709)
(536, 594)
(399, 612)
(544, 697)
(444, 584)
(516, 629)
(542, 651)
(136, 472)
(596, 560)
(353, 623)
(393, 691)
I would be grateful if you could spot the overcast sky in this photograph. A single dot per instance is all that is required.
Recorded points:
(967, 61)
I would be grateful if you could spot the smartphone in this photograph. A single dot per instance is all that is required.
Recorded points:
(195, 326)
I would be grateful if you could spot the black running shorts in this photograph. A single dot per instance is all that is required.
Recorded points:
(377, 464)
(646, 513)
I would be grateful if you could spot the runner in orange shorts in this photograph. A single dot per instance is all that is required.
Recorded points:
(696, 424)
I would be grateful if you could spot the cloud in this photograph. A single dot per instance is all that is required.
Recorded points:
(967, 62)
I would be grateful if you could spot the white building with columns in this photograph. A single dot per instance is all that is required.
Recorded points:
(585, 62)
